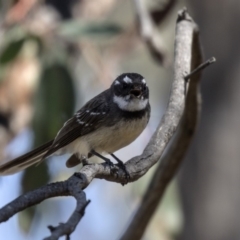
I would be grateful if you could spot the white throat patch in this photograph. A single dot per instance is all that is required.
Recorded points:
(132, 105)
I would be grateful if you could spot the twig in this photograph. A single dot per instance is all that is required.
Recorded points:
(69, 227)
(70, 187)
(200, 67)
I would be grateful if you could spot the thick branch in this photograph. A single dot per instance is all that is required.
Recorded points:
(186, 36)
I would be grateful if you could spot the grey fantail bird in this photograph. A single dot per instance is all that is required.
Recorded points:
(108, 122)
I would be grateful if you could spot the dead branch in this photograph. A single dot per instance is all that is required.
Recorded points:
(148, 33)
(188, 53)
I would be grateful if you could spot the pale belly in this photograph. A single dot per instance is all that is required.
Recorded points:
(108, 140)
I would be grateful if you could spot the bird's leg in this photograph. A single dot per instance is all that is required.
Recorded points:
(85, 161)
(121, 165)
(103, 158)
(120, 162)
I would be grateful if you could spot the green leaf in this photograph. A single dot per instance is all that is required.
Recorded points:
(11, 51)
(75, 29)
(15, 44)
(54, 104)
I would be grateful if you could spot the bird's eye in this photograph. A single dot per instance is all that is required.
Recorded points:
(144, 87)
(124, 85)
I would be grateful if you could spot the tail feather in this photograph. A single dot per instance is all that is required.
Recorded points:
(25, 160)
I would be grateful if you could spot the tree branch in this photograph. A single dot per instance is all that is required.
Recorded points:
(186, 36)
(147, 21)
(71, 187)
(139, 165)
(159, 13)
(68, 227)
(200, 67)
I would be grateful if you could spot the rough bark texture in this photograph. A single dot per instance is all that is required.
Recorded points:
(187, 55)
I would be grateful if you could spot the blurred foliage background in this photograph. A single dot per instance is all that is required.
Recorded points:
(56, 55)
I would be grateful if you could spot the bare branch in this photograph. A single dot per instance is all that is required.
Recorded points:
(159, 13)
(71, 187)
(69, 227)
(148, 32)
(186, 36)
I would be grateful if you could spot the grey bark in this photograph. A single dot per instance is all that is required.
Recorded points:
(187, 57)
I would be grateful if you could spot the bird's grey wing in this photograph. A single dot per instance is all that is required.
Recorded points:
(90, 117)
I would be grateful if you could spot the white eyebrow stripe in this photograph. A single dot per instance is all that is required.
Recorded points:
(143, 81)
(116, 82)
(127, 79)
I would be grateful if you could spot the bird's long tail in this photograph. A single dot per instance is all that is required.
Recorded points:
(25, 160)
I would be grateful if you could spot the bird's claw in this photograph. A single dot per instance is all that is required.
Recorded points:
(111, 165)
(127, 175)
(85, 162)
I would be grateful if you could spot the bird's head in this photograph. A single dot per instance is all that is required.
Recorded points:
(130, 92)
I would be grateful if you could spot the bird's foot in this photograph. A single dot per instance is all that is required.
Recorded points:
(126, 173)
(108, 161)
(85, 162)
(111, 165)
(123, 167)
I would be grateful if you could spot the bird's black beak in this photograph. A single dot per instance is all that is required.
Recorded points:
(136, 91)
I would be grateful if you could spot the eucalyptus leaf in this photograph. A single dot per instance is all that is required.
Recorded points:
(11, 51)
(54, 104)
(75, 29)
(13, 47)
